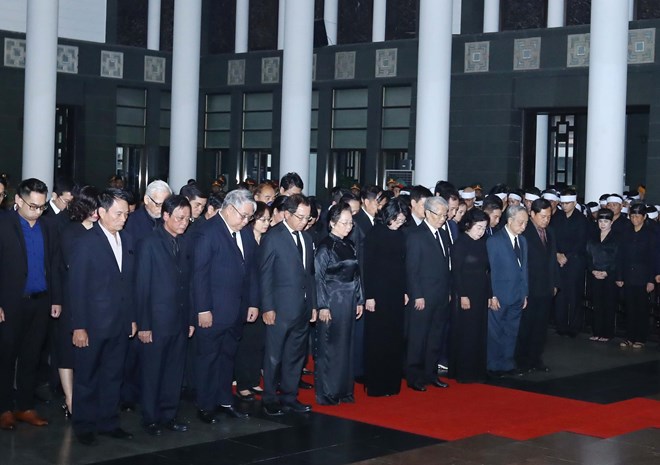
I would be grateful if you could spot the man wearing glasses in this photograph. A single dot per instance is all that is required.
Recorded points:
(29, 293)
(59, 201)
(288, 304)
(224, 297)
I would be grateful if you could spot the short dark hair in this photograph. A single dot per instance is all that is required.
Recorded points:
(568, 191)
(605, 214)
(191, 191)
(173, 202)
(348, 196)
(291, 180)
(63, 185)
(85, 202)
(472, 216)
(216, 199)
(27, 186)
(314, 206)
(446, 190)
(336, 210)
(370, 192)
(278, 203)
(261, 210)
(637, 208)
(336, 193)
(419, 192)
(388, 214)
(540, 204)
(292, 202)
(109, 195)
(492, 202)
(499, 189)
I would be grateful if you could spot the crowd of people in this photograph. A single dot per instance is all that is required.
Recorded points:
(203, 291)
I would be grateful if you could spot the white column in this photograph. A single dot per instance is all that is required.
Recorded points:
(40, 91)
(185, 91)
(297, 87)
(457, 16)
(153, 25)
(556, 13)
(379, 21)
(491, 15)
(541, 166)
(330, 18)
(433, 86)
(280, 24)
(631, 10)
(606, 112)
(242, 26)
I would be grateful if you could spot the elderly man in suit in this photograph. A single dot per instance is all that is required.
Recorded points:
(507, 254)
(101, 300)
(543, 283)
(428, 283)
(164, 315)
(29, 293)
(288, 303)
(224, 296)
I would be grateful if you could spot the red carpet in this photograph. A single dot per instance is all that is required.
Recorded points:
(466, 410)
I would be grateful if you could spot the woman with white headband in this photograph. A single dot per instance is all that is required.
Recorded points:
(614, 202)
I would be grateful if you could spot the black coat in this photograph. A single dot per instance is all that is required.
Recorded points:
(602, 256)
(637, 257)
(543, 268)
(427, 269)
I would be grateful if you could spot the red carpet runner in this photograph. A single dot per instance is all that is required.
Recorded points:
(466, 410)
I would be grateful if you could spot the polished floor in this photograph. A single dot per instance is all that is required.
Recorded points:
(581, 369)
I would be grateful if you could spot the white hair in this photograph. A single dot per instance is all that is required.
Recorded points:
(158, 186)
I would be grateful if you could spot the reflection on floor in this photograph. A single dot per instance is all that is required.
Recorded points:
(581, 370)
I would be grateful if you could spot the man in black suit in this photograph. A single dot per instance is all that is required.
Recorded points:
(224, 297)
(288, 303)
(428, 283)
(100, 290)
(164, 315)
(418, 196)
(29, 293)
(291, 183)
(543, 272)
(197, 199)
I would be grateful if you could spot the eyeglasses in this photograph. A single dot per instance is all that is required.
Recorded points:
(441, 215)
(346, 223)
(180, 219)
(158, 204)
(34, 207)
(264, 219)
(302, 218)
(245, 216)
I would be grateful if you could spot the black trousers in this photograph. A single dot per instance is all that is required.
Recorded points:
(97, 379)
(425, 330)
(284, 356)
(637, 313)
(130, 386)
(22, 337)
(250, 355)
(532, 332)
(214, 364)
(569, 311)
(605, 299)
(162, 363)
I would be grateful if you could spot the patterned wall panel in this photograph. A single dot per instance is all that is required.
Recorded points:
(477, 57)
(527, 53)
(641, 46)
(67, 59)
(154, 69)
(112, 64)
(270, 70)
(577, 50)
(344, 65)
(386, 62)
(14, 53)
(236, 73)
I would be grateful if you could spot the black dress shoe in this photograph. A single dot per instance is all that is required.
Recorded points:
(349, 399)
(417, 387)
(231, 412)
(153, 429)
(207, 417)
(117, 433)
(296, 407)
(326, 400)
(86, 439)
(439, 383)
(273, 409)
(249, 397)
(542, 367)
(304, 385)
(177, 427)
(515, 372)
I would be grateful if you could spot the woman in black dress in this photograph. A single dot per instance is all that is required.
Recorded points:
(602, 249)
(470, 307)
(340, 303)
(385, 293)
(83, 214)
(636, 270)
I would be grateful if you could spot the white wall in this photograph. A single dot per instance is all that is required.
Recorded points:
(79, 19)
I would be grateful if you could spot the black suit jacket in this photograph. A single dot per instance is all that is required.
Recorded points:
(223, 281)
(162, 285)
(427, 268)
(13, 262)
(542, 266)
(101, 298)
(140, 224)
(285, 286)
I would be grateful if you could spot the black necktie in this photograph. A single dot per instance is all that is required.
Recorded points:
(296, 234)
(516, 249)
(437, 236)
(175, 247)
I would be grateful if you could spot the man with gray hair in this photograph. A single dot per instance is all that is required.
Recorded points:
(225, 295)
(507, 254)
(428, 284)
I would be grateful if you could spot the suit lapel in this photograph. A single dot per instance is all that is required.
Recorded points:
(226, 236)
(105, 246)
(288, 238)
